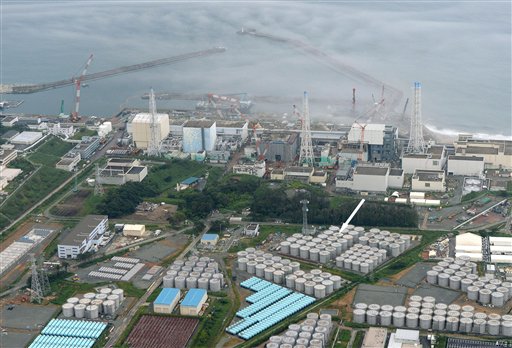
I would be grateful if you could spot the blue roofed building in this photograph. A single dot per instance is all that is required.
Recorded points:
(166, 300)
(188, 182)
(210, 239)
(193, 302)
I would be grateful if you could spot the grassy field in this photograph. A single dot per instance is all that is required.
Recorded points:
(265, 231)
(65, 289)
(50, 152)
(358, 340)
(343, 339)
(83, 132)
(211, 323)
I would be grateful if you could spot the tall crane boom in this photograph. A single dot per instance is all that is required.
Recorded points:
(78, 84)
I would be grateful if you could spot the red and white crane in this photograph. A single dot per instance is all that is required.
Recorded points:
(78, 84)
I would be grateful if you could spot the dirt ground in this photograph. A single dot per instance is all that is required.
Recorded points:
(159, 215)
(72, 204)
(23, 230)
(345, 304)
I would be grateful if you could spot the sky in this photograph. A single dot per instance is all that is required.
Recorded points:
(460, 51)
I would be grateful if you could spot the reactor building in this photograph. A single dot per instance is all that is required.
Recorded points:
(140, 128)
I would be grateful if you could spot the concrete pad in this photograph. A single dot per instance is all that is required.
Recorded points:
(415, 275)
(15, 339)
(381, 295)
(26, 316)
(442, 295)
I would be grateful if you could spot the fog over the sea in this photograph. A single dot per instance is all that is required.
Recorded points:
(460, 51)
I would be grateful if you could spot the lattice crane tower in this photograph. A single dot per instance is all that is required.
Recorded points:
(37, 288)
(306, 145)
(98, 188)
(416, 142)
(154, 146)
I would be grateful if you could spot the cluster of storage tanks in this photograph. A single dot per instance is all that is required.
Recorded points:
(194, 273)
(363, 250)
(460, 274)
(285, 272)
(423, 313)
(92, 305)
(313, 332)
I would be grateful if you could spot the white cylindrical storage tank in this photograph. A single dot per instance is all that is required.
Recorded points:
(399, 319)
(355, 265)
(314, 254)
(455, 282)
(395, 249)
(114, 298)
(479, 315)
(339, 261)
(290, 281)
(494, 316)
(187, 269)
(285, 247)
(441, 306)
(79, 310)
(361, 306)
(269, 273)
(106, 291)
(91, 312)
(74, 300)
(414, 310)
(429, 299)
(295, 266)
(497, 299)
(202, 283)
(454, 307)
(215, 284)
(473, 292)
(287, 270)
(329, 286)
(479, 326)
(242, 264)
(438, 322)
(374, 307)
(493, 327)
(465, 284)
(102, 297)
(336, 280)
(364, 267)
(385, 318)
(455, 314)
(466, 325)
(347, 264)
(325, 256)
(304, 252)
(371, 317)
(272, 345)
(119, 293)
(432, 277)
(99, 304)
(506, 328)
(295, 249)
(278, 277)
(452, 324)
(415, 304)
(344, 244)
(309, 287)
(68, 309)
(260, 270)
(220, 277)
(484, 296)
(300, 284)
(504, 291)
(400, 309)
(411, 320)
(191, 282)
(425, 321)
(179, 282)
(427, 311)
(443, 279)
(85, 301)
(251, 267)
(319, 291)
(168, 281)
(90, 295)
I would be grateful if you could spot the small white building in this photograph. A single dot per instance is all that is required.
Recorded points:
(134, 230)
(69, 161)
(469, 244)
(210, 239)
(501, 249)
(166, 300)
(366, 178)
(233, 129)
(9, 121)
(428, 180)
(58, 128)
(252, 230)
(7, 156)
(257, 169)
(404, 339)
(466, 165)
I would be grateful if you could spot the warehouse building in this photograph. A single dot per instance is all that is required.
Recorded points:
(434, 159)
(193, 302)
(501, 249)
(87, 146)
(466, 165)
(404, 339)
(496, 153)
(302, 174)
(469, 244)
(238, 129)
(119, 171)
(210, 239)
(369, 178)
(7, 156)
(69, 161)
(134, 230)
(26, 138)
(140, 128)
(81, 239)
(428, 180)
(199, 135)
(166, 300)
(257, 169)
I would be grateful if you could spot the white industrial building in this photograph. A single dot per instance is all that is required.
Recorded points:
(140, 128)
(469, 244)
(6, 156)
(67, 130)
(466, 165)
(256, 169)
(166, 300)
(371, 178)
(434, 159)
(104, 129)
(81, 239)
(134, 230)
(496, 153)
(119, 171)
(233, 129)
(252, 230)
(26, 138)
(428, 180)
(193, 302)
(404, 339)
(199, 135)
(7, 175)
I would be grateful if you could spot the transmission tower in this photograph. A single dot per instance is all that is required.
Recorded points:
(306, 145)
(98, 188)
(416, 143)
(154, 141)
(37, 288)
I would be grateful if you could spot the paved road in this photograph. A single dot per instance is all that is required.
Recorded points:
(116, 333)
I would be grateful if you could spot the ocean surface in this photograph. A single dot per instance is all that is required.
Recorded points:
(459, 50)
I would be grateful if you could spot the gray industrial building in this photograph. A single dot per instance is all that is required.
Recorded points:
(87, 146)
(281, 148)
